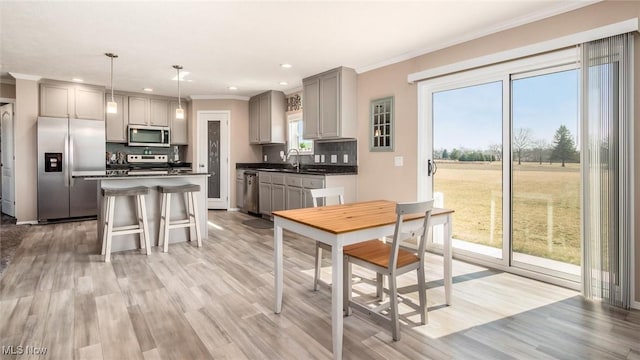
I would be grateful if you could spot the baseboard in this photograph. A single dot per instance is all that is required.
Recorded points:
(233, 209)
(29, 222)
(635, 305)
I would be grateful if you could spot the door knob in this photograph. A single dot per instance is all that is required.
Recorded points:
(201, 165)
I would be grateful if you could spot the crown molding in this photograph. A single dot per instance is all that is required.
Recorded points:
(293, 91)
(25, 76)
(496, 28)
(622, 27)
(218, 97)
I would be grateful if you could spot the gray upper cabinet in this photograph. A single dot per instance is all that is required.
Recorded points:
(89, 103)
(116, 124)
(158, 112)
(254, 120)
(267, 118)
(311, 108)
(138, 110)
(179, 128)
(329, 104)
(60, 99)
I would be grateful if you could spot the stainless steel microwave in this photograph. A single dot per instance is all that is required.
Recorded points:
(143, 135)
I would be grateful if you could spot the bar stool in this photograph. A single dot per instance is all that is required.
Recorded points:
(141, 227)
(192, 219)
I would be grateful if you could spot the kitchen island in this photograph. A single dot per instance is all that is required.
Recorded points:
(125, 207)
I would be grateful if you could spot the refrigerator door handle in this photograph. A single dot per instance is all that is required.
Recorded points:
(70, 167)
(66, 160)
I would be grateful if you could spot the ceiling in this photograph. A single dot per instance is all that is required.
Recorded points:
(242, 44)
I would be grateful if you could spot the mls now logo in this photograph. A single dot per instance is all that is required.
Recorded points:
(23, 350)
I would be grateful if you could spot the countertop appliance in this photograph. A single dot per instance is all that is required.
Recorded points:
(65, 147)
(251, 191)
(143, 135)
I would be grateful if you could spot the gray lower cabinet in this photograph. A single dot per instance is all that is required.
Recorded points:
(280, 191)
(264, 193)
(278, 197)
(240, 189)
(295, 197)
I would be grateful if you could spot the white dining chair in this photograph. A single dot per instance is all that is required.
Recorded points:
(316, 196)
(392, 261)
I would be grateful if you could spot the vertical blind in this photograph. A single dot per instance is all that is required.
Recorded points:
(607, 154)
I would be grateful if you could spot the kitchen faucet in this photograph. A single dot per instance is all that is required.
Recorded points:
(297, 163)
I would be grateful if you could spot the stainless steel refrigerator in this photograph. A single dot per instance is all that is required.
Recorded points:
(68, 147)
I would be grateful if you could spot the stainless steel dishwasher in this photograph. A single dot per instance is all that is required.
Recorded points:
(251, 191)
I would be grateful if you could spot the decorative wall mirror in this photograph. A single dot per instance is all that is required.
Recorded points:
(381, 114)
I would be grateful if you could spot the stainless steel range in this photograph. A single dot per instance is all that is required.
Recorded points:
(148, 164)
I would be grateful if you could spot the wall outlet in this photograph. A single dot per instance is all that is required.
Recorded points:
(398, 161)
(265, 158)
(322, 158)
(334, 158)
(345, 158)
(316, 158)
(282, 155)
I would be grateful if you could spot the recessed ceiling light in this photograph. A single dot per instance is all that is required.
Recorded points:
(232, 88)
(286, 66)
(148, 89)
(77, 80)
(284, 83)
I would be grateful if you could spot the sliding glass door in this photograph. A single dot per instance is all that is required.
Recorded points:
(504, 141)
(467, 148)
(545, 172)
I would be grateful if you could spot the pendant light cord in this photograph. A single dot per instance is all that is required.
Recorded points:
(179, 102)
(112, 79)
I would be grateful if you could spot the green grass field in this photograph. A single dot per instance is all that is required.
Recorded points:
(546, 206)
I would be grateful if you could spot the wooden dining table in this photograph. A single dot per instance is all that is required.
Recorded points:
(341, 225)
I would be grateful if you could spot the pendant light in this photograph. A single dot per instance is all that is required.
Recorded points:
(112, 106)
(179, 110)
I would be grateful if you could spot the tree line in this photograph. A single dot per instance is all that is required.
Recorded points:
(525, 148)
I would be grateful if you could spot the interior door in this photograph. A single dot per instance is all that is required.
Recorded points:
(8, 191)
(213, 156)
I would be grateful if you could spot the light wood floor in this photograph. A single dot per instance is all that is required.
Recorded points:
(217, 302)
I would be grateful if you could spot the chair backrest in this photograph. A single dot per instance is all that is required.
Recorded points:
(404, 231)
(328, 192)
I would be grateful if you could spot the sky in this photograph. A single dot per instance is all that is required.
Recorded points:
(471, 117)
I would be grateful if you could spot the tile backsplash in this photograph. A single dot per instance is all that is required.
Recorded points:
(338, 148)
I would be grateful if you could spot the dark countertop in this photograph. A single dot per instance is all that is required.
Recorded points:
(104, 175)
(305, 169)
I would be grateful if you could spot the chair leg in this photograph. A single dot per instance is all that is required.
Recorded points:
(163, 214)
(347, 280)
(380, 286)
(316, 278)
(393, 294)
(189, 207)
(109, 232)
(105, 211)
(167, 220)
(422, 294)
(139, 218)
(194, 201)
(145, 224)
